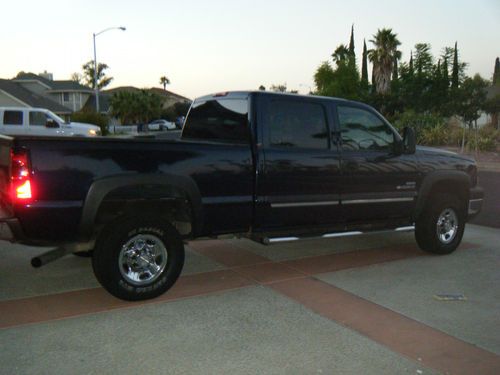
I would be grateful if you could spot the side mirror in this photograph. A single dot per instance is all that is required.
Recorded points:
(409, 140)
(51, 124)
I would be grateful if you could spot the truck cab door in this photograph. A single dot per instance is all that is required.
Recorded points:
(298, 170)
(377, 182)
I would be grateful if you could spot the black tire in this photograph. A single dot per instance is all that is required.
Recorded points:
(443, 240)
(121, 270)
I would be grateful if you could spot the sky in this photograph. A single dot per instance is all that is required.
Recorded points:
(212, 46)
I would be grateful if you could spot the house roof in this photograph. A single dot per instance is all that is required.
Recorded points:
(30, 98)
(58, 86)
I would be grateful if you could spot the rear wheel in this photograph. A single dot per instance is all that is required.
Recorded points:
(138, 258)
(440, 227)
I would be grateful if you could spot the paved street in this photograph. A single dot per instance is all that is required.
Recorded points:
(363, 304)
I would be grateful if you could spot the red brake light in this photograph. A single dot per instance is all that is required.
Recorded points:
(20, 176)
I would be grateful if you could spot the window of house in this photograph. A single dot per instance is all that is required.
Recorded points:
(291, 123)
(38, 119)
(13, 118)
(224, 120)
(363, 130)
(66, 96)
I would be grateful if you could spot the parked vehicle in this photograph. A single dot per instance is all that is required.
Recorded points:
(267, 166)
(161, 125)
(39, 121)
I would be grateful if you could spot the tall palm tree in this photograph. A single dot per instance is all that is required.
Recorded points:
(164, 81)
(382, 57)
(340, 54)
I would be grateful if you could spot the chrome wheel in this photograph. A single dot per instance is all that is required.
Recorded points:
(447, 226)
(142, 259)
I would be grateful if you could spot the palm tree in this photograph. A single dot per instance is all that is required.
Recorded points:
(341, 54)
(382, 57)
(164, 81)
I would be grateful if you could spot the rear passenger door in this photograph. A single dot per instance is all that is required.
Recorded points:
(298, 176)
(377, 183)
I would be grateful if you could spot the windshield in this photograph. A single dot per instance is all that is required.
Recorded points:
(56, 117)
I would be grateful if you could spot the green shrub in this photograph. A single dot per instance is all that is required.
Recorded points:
(433, 136)
(92, 118)
(430, 129)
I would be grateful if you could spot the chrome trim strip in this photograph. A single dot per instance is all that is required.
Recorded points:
(381, 200)
(475, 200)
(304, 204)
(341, 234)
(282, 239)
(405, 229)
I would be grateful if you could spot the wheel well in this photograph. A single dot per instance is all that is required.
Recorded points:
(449, 186)
(176, 210)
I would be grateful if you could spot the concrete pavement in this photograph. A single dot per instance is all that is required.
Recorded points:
(348, 305)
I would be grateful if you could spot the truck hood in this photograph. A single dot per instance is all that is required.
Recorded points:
(428, 151)
(82, 125)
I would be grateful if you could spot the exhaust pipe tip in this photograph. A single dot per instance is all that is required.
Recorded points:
(36, 262)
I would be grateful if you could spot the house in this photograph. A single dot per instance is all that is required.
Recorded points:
(67, 93)
(65, 97)
(12, 94)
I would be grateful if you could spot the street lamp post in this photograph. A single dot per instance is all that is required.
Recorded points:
(96, 88)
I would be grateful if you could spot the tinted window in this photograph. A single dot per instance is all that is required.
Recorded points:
(363, 130)
(38, 119)
(291, 123)
(218, 120)
(12, 118)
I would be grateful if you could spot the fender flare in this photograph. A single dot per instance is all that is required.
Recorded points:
(102, 187)
(435, 177)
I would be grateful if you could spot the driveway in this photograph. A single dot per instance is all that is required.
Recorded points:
(365, 304)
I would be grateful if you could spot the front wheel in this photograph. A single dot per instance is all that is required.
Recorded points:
(440, 227)
(138, 258)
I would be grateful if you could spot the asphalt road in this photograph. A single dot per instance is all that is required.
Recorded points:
(490, 214)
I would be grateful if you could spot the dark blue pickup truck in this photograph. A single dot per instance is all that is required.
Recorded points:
(261, 165)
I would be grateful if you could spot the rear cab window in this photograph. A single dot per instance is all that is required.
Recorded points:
(13, 118)
(215, 119)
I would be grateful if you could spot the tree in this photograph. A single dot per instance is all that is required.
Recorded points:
(135, 107)
(382, 56)
(351, 43)
(454, 74)
(323, 78)
(76, 77)
(496, 73)
(364, 66)
(423, 60)
(262, 88)
(340, 55)
(164, 81)
(88, 75)
(278, 88)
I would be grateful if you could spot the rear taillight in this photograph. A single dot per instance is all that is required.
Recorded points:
(20, 174)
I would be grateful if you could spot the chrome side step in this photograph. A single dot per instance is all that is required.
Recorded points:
(274, 240)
